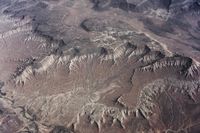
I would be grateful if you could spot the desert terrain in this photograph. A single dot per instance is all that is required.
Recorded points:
(99, 66)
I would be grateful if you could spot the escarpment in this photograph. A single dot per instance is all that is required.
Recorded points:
(103, 89)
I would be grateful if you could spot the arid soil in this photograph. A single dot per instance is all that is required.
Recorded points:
(99, 66)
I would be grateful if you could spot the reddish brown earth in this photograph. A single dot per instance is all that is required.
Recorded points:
(92, 66)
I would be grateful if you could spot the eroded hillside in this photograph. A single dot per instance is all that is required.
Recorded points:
(97, 66)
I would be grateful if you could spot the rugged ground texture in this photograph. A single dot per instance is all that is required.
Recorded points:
(107, 66)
